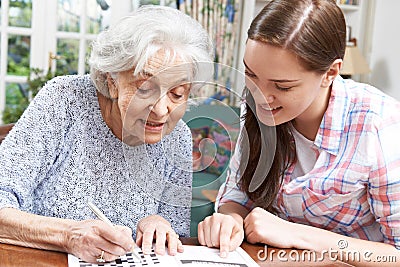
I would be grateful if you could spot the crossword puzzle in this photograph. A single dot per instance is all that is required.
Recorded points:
(192, 256)
(127, 261)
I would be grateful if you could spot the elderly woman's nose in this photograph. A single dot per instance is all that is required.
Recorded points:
(160, 107)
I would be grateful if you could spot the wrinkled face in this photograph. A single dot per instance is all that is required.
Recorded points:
(282, 89)
(152, 102)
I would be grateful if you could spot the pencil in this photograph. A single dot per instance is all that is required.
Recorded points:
(102, 217)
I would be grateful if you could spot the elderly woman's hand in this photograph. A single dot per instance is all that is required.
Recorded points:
(87, 239)
(156, 227)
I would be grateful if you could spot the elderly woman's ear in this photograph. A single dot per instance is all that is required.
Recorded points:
(112, 86)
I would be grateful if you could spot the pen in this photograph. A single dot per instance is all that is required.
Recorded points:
(102, 217)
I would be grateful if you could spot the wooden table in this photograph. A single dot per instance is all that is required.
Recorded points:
(15, 256)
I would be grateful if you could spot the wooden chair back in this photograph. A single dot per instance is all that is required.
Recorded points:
(4, 129)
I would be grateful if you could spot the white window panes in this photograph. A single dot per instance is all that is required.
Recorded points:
(170, 3)
(50, 34)
(87, 55)
(18, 55)
(149, 2)
(20, 13)
(98, 14)
(69, 15)
(0, 48)
(68, 50)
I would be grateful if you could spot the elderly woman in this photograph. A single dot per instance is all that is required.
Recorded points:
(113, 138)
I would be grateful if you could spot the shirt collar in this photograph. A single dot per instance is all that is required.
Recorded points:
(333, 122)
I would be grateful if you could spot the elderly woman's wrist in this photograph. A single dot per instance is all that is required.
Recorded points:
(66, 236)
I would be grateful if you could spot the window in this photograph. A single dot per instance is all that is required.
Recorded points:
(48, 34)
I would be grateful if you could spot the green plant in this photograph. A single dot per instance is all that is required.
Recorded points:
(20, 96)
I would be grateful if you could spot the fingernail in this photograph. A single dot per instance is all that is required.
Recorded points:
(160, 252)
(223, 254)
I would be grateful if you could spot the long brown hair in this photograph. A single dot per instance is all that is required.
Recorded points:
(315, 31)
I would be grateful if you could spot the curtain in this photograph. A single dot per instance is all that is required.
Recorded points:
(220, 19)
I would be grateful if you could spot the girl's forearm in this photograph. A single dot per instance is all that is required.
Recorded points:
(347, 249)
(237, 211)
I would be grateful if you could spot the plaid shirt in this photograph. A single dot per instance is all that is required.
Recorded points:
(354, 187)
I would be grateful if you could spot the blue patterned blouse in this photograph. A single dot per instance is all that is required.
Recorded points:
(61, 154)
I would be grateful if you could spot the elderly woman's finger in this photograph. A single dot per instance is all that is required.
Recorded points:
(118, 235)
(139, 237)
(172, 239)
(161, 237)
(147, 240)
(180, 246)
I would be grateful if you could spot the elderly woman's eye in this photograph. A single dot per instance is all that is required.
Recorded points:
(178, 92)
(145, 90)
(142, 91)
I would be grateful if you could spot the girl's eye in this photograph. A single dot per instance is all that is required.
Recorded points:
(281, 88)
(250, 74)
(177, 96)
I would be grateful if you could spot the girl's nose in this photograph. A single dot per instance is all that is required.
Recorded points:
(270, 99)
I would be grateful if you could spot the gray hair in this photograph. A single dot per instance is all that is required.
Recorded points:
(136, 38)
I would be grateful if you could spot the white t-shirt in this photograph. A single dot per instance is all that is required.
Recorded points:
(307, 154)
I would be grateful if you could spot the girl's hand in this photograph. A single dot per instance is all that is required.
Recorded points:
(220, 230)
(156, 227)
(261, 226)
